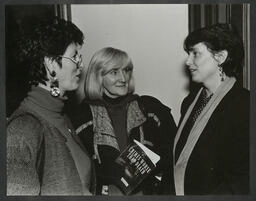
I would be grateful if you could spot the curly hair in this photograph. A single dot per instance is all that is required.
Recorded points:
(49, 38)
(222, 36)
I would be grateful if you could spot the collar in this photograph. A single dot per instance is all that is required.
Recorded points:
(104, 132)
(113, 102)
(43, 99)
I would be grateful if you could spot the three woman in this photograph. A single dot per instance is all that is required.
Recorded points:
(211, 147)
(111, 116)
(44, 156)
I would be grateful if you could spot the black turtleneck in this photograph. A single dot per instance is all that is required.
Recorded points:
(117, 110)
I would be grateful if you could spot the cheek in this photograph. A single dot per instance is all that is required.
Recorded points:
(106, 82)
(128, 77)
(201, 61)
(205, 62)
(66, 71)
(70, 78)
(209, 69)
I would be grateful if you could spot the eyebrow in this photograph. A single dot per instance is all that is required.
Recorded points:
(193, 48)
(113, 69)
(119, 67)
(110, 70)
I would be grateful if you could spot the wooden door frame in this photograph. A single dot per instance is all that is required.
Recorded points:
(201, 15)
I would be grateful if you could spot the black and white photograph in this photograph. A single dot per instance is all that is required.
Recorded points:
(84, 83)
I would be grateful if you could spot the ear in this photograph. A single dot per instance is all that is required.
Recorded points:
(50, 65)
(221, 56)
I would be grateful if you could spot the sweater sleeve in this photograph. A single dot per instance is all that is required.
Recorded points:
(163, 139)
(24, 137)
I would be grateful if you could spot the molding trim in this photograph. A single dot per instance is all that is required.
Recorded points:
(63, 11)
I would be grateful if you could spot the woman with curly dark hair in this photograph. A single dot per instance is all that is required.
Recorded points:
(44, 157)
(211, 147)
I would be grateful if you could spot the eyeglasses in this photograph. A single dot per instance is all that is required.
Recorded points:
(77, 59)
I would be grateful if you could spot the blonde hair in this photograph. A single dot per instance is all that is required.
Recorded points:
(100, 62)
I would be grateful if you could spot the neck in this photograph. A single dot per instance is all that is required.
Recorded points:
(212, 85)
(48, 88)
(112, 100)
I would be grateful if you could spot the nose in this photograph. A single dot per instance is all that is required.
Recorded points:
(122, 76)
(189, 60)
(80, 65)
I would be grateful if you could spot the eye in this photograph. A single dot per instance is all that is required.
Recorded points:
(74, 57)
(196, 53)
(113, 72)
(127, 69)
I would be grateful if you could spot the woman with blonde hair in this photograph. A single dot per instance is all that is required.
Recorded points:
(112, 116)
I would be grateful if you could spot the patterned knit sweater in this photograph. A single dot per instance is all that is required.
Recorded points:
(39, 158)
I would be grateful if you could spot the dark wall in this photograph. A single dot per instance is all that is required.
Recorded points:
(18, 19)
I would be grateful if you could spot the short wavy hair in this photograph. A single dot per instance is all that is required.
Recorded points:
(222, 36)
(99, 63)
(49, 38)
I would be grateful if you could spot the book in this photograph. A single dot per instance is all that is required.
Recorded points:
(137, 162)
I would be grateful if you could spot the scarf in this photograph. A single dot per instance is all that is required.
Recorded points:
(196, 131)
(103, 130)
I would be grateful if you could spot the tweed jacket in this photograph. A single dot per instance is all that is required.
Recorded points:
(148, 121)
(38, 160)
(219, 162)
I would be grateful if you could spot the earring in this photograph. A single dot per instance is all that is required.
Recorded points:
(221, 73)
(55, 91)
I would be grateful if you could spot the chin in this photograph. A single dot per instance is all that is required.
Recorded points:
(73, 88)
(196, 80)
(120, 95)
(123, 93)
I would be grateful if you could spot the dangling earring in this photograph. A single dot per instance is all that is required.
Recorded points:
(55, 91)
(221, 73)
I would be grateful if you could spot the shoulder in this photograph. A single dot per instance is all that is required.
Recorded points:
(24, 127)
(23, 119)
(155, 108)
(239, 93)
(152, 103)
(237, 98)
(237, 101)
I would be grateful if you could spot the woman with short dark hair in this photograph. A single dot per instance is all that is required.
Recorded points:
(44, 156)
(211, 147)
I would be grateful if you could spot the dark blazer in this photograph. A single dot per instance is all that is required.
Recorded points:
(219, 162)
(161, 137)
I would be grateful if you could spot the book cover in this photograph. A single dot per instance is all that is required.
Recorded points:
(137, 162)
